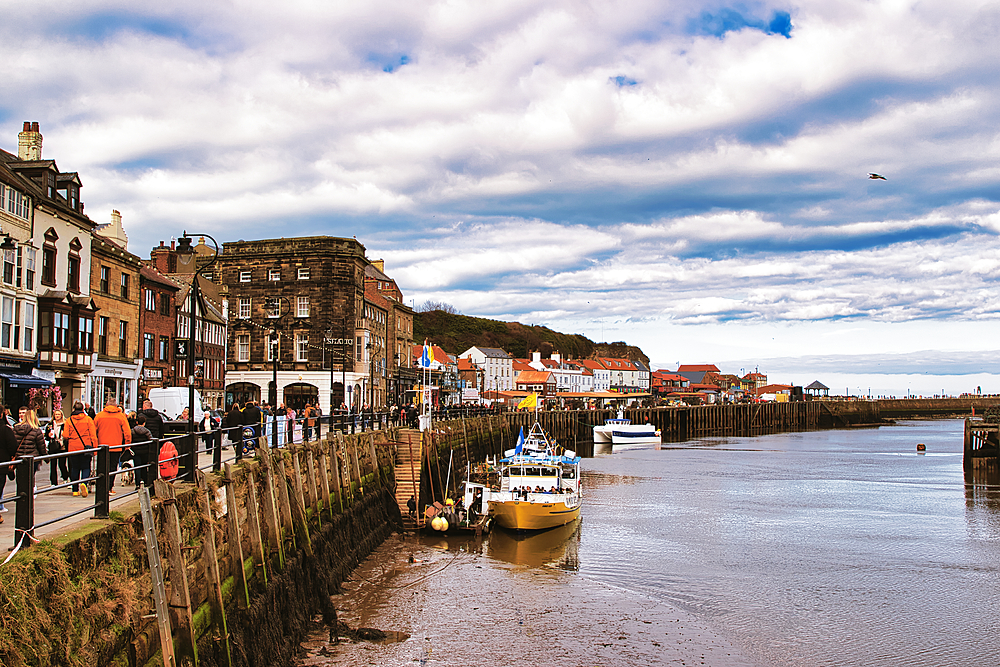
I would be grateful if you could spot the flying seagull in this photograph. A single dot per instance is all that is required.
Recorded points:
(877, 177)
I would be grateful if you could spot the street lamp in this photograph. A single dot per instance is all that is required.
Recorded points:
(274, 340)
(186, 255)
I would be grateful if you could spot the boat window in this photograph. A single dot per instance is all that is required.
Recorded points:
(549, 472)
(506, 472)
(569, 473)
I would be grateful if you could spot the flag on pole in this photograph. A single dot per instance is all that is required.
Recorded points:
(427, 358)
(520, 442)
(528, 402)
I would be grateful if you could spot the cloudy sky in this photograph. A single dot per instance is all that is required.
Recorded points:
(691, 177)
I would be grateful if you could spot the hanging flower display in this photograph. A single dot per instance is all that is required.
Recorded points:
(38, 398)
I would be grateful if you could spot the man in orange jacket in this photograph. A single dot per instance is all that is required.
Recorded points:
(113, 430)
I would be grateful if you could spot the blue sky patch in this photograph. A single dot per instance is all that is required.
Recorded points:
(99, 27)
(623, 81)
(728, 19)
(388, 62)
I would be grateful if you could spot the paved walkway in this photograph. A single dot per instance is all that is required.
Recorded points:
(54, 504)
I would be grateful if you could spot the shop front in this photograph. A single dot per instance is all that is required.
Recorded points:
(18, 377)
(109, 379)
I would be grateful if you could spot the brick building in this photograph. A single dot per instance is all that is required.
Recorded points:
(157, 326)
(311, 292)
(210, 335)
(399, 333)
(114, 288)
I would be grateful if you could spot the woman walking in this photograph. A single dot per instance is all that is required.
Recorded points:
(81, 435)
(54, 438)
(30, 439)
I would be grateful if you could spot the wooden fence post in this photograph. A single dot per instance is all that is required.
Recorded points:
(211, 558)
(236, 538)
(180, 594)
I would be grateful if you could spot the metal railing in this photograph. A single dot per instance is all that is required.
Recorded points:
(99, 476)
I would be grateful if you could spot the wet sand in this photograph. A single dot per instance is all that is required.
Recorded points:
(465, 603)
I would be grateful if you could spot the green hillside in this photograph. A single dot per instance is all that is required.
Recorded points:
(456, 333)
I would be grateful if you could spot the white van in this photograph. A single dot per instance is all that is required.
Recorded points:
(171, 401)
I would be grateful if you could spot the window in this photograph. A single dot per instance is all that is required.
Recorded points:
(8, 266)
(164, 304)
(29, 326)
(86, 331)
(303, 274)
(148, 346)
(164, 348)
(105, 280)
(49, 266)
(150, 300)
(302, 306)
(244, 276)
(243, 347)
(274, 274)
(30, 255)
(7, 319)
(301, 347)
(244, 309)
(73, 274)
(125, 278)
(102, 335)
(123, 339)
(273, 308)
(273, 347)
(60, 330)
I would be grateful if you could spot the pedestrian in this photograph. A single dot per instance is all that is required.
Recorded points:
(411, 505)
(89, 410)
(30, 439)
(112, 430)
(141, 443)
(233, 424)
(252, 417)
(8, 452)
(54, 440)
(80, 436)
(307, 424)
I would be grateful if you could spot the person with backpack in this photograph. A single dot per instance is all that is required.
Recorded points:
(141, 442)
(80, 435)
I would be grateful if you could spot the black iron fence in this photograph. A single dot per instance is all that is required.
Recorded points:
(226, 444)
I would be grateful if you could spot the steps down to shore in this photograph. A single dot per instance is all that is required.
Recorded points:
(408, 459)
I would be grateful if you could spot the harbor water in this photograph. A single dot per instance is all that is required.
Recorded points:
(844, 547)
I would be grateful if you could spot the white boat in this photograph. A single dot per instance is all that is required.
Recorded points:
(621, 433)
(535, 486)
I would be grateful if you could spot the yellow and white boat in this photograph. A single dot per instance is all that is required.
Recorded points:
(536, 486)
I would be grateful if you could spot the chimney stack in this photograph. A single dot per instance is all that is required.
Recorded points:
(29, 142)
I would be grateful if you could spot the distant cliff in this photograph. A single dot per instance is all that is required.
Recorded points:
(457, 333)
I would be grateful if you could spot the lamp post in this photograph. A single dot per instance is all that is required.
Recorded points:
(186, 255)
(274, 340)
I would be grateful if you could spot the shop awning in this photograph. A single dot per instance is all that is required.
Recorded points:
(16, 380)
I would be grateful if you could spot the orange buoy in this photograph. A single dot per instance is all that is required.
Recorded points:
(921, 447)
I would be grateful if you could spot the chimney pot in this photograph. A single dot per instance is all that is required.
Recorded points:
(34, 127)
(27, 126)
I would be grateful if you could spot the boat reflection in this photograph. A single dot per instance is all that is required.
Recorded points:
(557, 546)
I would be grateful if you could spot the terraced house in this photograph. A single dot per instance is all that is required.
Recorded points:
(46, 313)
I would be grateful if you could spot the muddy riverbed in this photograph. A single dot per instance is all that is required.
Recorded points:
(504, 601)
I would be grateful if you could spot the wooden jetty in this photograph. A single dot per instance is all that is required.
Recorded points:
(982, 446)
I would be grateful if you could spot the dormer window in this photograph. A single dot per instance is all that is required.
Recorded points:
(274, 274)
(244, 276)
(303, 274)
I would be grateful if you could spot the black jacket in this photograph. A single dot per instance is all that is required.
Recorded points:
(8, 443)
(252, 416)
(154, 422)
